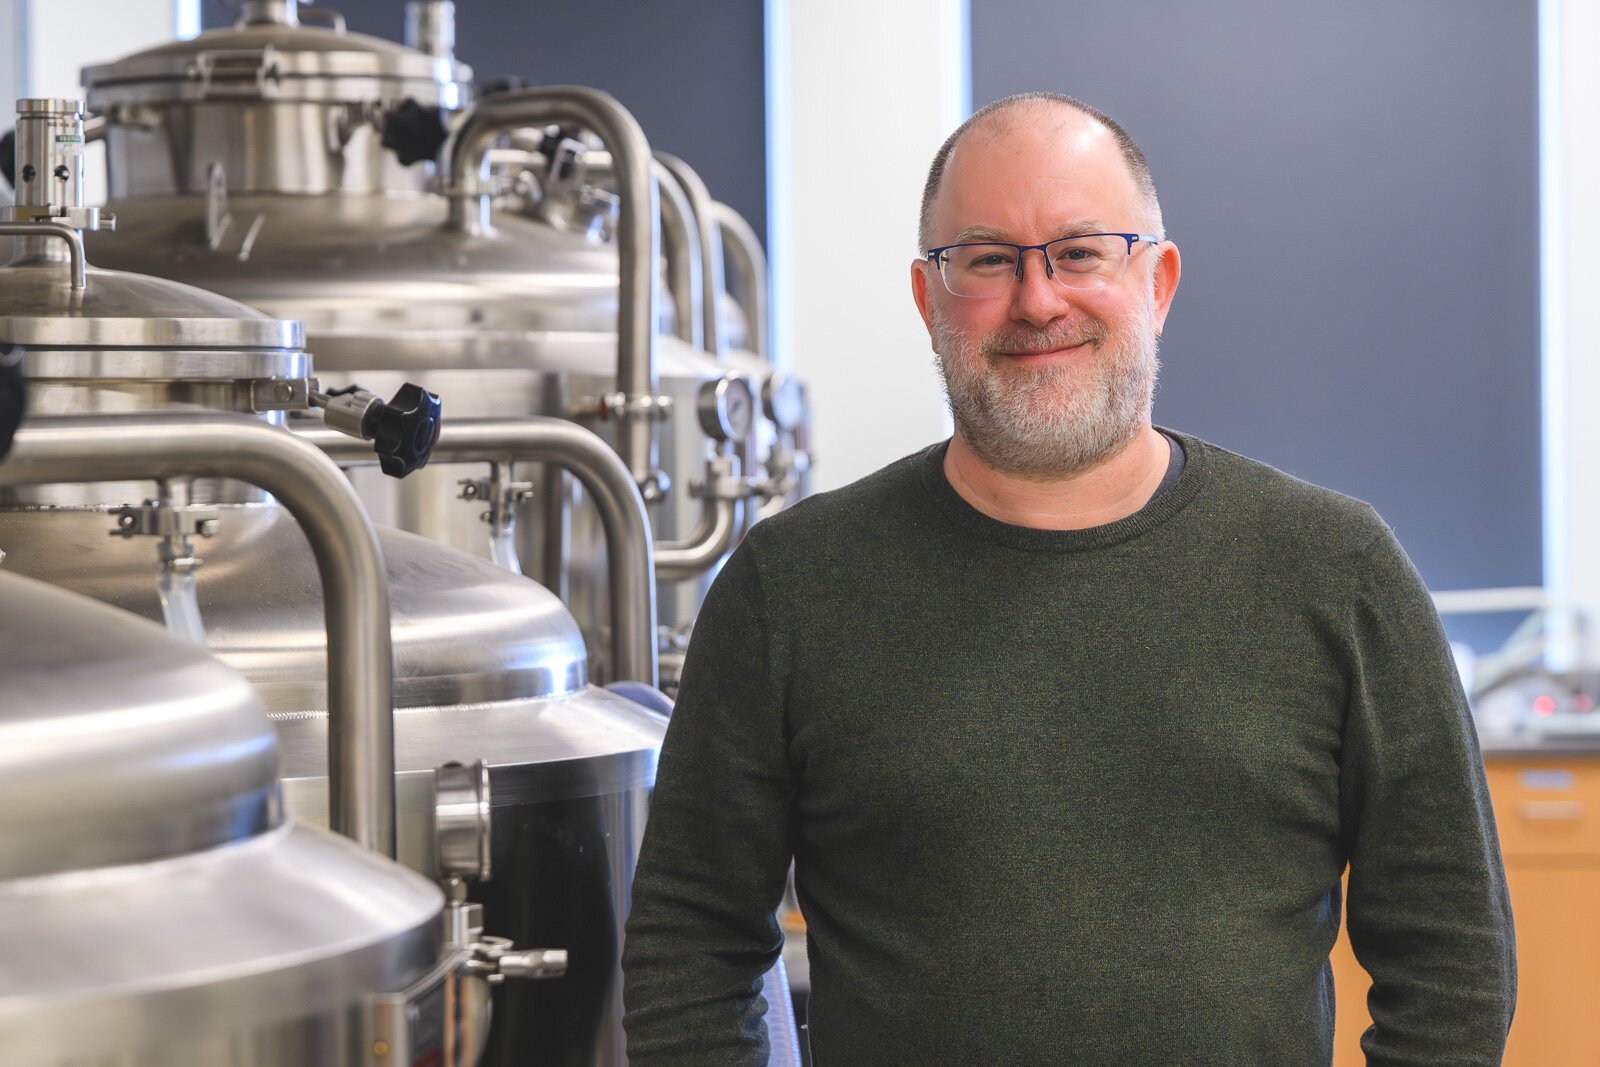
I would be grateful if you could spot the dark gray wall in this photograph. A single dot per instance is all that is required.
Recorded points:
(691, 71)
(1353, 186)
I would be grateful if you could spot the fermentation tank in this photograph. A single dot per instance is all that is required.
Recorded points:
(351, 184)
(157, 908)
(487, 665)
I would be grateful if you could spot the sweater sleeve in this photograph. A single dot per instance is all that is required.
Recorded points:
(1429, 914)
(717, 847)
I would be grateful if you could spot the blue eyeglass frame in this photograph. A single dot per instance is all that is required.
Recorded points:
(932, 255)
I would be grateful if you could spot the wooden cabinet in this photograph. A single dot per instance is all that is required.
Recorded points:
(1548, 813)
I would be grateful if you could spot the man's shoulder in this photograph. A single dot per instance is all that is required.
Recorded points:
(868, 505)
(1274, 503)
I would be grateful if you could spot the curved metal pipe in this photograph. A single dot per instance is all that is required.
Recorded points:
(746, 261)
(702, 206)
(639, 239)
(680, 244)
(716, 532)
(629, 553)
(74, 239)
(355, 586)
(638, 236)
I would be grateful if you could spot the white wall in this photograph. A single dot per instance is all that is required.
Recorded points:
(859, 97)
(13, 66)
(1570, 144)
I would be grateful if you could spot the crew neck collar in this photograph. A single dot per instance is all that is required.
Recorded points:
(1158, 511)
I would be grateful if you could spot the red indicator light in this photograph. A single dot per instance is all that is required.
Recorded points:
(1544, 704)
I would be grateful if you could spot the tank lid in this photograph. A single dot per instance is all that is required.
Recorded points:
(279, 61)
(120, 743)
(120, 310)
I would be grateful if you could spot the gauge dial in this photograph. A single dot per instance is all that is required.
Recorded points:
(727, 407)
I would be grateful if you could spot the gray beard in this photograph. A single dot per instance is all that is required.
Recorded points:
(1047, 422)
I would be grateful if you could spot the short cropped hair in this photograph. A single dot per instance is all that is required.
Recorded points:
(1131, 154)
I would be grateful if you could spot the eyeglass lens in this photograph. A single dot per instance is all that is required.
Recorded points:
(1075, 262)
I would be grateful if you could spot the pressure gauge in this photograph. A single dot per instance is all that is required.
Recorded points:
(727, 408)
(784, 399)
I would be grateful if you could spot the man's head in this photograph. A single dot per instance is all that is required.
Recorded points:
(1043, 379)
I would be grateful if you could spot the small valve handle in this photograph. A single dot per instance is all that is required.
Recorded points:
(414, 133)
(534, 963)
(8, 157)
(404, 430)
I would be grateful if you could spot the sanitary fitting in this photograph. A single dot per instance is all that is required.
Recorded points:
(497, 959)
(502, 495)
(723, 481)
(174, 524)
(494, 959)
(624, 407)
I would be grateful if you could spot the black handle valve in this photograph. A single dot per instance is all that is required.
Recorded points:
(513, 83)
(8, 157)
(13, 394)
(404, 430)
(414, 133)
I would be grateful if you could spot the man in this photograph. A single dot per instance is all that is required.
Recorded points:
(1070, 726)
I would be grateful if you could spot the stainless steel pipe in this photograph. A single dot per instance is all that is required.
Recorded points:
(680, 244)
(355, 587)
(36, 230)
(638, 233)
(718, 528)
(630, 558)
(711, 275)
(746, 261)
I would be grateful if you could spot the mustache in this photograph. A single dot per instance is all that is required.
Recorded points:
(1027, 338)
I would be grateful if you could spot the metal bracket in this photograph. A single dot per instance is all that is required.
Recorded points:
(79, 218)
(237, 72)
(281, 394)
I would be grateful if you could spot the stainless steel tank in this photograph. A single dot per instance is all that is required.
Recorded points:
(487, 664)
(157, 908)
(346, 182)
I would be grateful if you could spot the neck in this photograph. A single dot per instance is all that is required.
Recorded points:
(1112, 489)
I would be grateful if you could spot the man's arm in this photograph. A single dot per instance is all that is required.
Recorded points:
(716, 847)
(1430, 918)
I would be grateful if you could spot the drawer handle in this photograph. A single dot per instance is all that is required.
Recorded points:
(1550, 810)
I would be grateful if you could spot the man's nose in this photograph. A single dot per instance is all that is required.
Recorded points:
(1037, 298)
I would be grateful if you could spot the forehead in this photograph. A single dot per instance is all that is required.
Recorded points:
(1031, 171)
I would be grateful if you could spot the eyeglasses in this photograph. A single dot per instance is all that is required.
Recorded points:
(990, 268)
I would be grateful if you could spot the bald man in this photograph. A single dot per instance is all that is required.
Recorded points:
(1070, 724)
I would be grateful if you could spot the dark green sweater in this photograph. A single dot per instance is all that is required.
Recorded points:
(1076, 797)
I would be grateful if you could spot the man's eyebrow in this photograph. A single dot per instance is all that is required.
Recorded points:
(984, 233)
(980, 233)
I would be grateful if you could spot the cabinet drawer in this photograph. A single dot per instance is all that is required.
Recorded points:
(1547, 807)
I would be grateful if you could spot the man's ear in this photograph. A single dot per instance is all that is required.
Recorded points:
(920, 269)
(1168, 269)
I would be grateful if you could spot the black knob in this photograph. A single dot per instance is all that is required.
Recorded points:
(404, 430)
(413, 132)
(510, 84)
(8, 157)
(13, 394)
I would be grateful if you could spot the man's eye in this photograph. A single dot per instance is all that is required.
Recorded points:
(1074, 255)
(990, 260)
